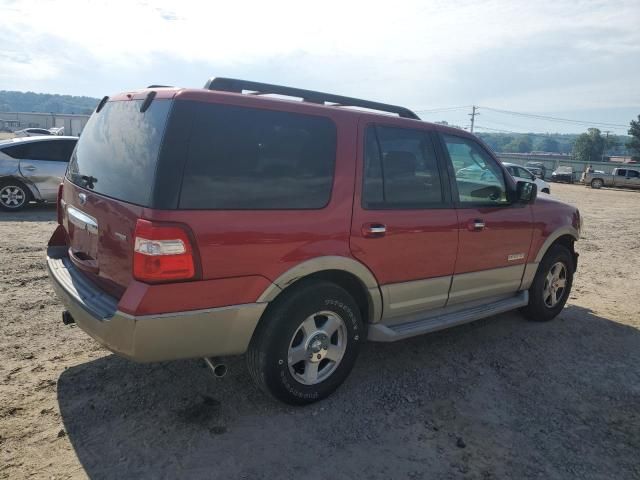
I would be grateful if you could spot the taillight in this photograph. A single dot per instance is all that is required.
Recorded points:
(162, 253)
(59, 209)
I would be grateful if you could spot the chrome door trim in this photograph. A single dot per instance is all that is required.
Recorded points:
(82, 220)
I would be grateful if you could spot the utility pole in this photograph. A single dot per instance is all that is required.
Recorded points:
(473, 116)
(606, 141)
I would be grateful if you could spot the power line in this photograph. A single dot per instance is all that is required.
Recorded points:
(556, 119)
(443, 109)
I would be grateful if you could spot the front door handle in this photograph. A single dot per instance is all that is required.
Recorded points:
(475, 225)
(374, 230)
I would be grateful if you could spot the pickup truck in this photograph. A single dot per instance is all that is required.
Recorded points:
(619, 177)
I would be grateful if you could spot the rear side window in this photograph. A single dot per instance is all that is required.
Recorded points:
(118, 151)
(400, 170)
(15, 151)
(244, 158)
(50, 150)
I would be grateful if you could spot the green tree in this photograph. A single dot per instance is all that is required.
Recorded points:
(634, 143)
(547, 144)
(589, 146)
(520, 145)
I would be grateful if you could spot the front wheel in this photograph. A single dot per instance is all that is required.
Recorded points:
(551, 286)
(307, 343)
(597, 183)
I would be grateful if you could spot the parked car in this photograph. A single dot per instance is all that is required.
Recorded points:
(562, 174)
(31, 168)
(537, 172)
(32, 132)
(210, 223)
(522, 173)
(538, 166)
(619, 177)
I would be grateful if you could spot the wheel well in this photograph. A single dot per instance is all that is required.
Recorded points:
(568, 242)
(346, 280)
(11, 179)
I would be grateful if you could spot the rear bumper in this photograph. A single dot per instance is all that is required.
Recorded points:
(191, 334)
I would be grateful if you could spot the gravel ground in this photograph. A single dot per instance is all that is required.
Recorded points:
(499, 398)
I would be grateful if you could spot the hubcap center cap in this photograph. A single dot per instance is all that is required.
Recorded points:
(317, 347)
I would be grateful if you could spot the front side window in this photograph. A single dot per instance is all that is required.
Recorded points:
(400, 170)
(479, 178)
(245, 158)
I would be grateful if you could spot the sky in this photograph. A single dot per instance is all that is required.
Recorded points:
(575, 59)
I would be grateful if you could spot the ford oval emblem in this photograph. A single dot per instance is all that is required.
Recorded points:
(83, 198)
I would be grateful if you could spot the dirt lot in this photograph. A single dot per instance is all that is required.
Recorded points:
(500, 398)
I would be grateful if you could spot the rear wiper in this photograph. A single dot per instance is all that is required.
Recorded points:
(89, 181)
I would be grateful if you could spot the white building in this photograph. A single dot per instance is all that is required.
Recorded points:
(72, 123)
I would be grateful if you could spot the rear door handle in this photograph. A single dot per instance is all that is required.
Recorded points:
(374, 230)
(31, 168)
(475, 225)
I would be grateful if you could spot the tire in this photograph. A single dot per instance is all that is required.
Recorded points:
(546, 303)
(597, 183)
(295, 327)
(14, 195)
(545, 190)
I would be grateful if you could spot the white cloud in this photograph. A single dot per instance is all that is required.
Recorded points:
(425, 54)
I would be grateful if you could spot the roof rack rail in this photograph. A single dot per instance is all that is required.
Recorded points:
(160, 86)
(237, 86)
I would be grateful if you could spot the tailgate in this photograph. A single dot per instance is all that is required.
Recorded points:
(101, 232)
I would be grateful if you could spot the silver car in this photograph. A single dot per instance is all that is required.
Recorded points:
(31, 168)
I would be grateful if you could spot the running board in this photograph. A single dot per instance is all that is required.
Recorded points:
(390, 333)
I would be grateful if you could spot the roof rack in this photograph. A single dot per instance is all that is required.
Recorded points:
(238, 86)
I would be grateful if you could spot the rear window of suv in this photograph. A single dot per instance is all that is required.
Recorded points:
(118, 150)
(245, 158)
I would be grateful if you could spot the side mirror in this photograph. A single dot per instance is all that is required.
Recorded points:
(526, 192)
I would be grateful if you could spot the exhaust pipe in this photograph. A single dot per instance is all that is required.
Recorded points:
(218, 368)
(67, 319)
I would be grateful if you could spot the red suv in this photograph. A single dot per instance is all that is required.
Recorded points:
(211, 222)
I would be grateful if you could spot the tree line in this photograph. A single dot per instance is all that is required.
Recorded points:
(591, 146)
(11, 101)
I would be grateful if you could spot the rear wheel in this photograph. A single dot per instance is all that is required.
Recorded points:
(307, 343)
(13, 195)
(551, 286)
(597, 183)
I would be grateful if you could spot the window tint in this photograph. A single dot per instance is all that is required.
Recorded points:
(479, 179)
(632, 174)
(400, 170)
(243, 158)
(15, 151)
(54, 150)
(622, 173)
(118, 150)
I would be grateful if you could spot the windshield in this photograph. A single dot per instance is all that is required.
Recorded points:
(118, 150)
(564, 170)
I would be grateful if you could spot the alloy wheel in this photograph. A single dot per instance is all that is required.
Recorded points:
(317, 347)
(12, 196)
